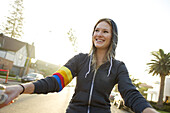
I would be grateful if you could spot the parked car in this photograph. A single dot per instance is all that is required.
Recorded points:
(112, 96)
(31, 77)
(118, 100)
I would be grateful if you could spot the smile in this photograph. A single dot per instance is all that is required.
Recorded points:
(99, 40)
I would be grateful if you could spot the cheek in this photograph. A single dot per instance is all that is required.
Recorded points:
(93, 38)
(109, 40)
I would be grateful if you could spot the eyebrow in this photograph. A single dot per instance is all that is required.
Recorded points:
(102, 28)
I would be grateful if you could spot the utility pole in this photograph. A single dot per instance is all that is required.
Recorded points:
(27, 64)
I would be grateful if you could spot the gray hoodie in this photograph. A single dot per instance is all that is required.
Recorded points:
(94, 87)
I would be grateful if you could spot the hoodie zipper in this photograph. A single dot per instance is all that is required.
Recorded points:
(91, 91)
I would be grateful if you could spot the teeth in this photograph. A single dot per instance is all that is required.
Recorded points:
(99, 40)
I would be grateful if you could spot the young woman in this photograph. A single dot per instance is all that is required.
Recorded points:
(96, 72)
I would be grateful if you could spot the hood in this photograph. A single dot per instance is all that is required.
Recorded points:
(114, 43)
(114, 36)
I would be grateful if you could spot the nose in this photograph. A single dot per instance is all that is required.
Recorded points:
(99, 33)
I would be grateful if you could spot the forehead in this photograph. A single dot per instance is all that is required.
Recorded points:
(103, 25)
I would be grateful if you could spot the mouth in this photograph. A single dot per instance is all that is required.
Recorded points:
(99, 40)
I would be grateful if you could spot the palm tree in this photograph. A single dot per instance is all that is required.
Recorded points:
(160, 66)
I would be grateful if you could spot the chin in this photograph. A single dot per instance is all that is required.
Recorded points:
(98, 47)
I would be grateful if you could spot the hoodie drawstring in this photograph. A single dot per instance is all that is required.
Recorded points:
(110, 67)
(91, 56)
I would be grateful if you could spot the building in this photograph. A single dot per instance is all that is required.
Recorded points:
(45, 68)
(14, 54)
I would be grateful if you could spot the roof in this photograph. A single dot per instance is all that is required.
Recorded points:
(11, 44)
(145, 85)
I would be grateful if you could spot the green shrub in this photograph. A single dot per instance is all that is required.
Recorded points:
(5, 73)
(166, 107)
(12, 75)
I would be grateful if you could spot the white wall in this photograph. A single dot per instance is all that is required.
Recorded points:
(10, 55)
(20, 57)
(2, 53)
(167, 86)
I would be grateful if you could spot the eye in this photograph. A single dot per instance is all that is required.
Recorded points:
(105, 31)
(96, 30)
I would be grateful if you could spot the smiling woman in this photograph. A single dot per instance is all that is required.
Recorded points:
(140, 29)
(96, 74)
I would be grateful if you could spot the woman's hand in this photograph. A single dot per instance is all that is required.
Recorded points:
(12, 92)
(149, 110)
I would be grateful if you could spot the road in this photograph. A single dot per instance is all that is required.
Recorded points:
(50, 103)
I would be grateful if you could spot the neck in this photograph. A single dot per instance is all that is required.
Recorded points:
(100, 56)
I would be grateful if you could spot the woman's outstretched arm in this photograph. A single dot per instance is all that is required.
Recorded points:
(14, 91)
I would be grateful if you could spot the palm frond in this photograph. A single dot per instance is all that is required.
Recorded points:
(156, 54)
(161, 64)
(161, 52)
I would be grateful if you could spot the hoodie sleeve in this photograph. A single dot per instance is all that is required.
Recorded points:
(128, 91)
(59, 79)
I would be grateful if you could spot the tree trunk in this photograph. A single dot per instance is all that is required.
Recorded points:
(161, 91)
(13, 32)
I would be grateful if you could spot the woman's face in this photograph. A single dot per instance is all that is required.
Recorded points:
(102, 35)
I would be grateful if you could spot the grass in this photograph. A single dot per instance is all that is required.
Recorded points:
(162, 111)
(11, 78)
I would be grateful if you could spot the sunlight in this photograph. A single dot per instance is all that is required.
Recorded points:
(140, 30)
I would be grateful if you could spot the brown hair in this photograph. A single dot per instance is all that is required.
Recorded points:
(93, 48)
